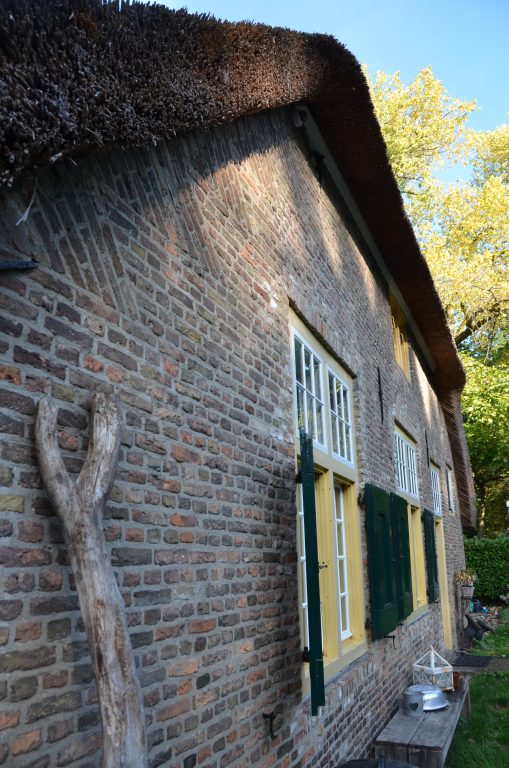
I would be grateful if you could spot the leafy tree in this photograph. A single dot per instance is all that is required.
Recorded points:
(463, 230)
(486, 415)
(423, 128)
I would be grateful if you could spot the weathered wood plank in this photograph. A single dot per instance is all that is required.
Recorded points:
(400, 730)
(424, 741)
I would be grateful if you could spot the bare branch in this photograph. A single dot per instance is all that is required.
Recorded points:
(98, 471)
(54, 474)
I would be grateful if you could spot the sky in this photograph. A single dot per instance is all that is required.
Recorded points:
(464, 41)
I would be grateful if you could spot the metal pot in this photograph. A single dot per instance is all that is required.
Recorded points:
(423, 698)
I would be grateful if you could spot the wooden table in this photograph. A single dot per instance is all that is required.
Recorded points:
(424, 740)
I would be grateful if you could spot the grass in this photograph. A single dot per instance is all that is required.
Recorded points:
(495, 643)
(484, 741)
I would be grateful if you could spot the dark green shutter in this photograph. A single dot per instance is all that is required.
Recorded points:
(401, 545)
(431, 556)
(381, 565)
(312, 574)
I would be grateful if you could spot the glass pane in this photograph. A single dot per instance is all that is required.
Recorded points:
(344, 615)
(319, 422)
(307, 369)
(342, 577)
(338, 398)
(338, 503)
(334, 428)
(340, 541)
(318, 383)
(301, 417)
(348, 437)
(311, 415)
(331, 392)
(342, 451)
(298, 360)
(346, 412)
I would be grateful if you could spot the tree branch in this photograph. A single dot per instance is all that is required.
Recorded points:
(80, 507)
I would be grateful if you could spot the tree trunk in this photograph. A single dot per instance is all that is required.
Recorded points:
(482, 508)
(80, 507)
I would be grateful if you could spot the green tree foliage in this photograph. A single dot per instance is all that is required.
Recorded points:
(486, 415)
(489, 558)
(463, 230)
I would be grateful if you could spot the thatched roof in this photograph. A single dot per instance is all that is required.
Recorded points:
(76, 75)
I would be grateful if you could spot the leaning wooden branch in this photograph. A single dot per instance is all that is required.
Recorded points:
(80, 507)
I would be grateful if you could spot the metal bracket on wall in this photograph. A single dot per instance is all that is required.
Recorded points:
(27, 264)
(393, 638)
(270, 716)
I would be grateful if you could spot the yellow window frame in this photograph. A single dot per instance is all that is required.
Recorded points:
(417, 560)
(331, 471)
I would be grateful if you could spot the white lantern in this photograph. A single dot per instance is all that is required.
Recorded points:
(432, 669)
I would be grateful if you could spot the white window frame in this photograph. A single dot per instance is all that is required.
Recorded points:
(406, 464)
(341, 557)
(340, 423)
(301, 549)
(338, 528)
(435, 490)
(302, 387)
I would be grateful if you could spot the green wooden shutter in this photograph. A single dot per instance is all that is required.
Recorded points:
(431, 556)
(401, 545)
(381, 565)
(312, 574)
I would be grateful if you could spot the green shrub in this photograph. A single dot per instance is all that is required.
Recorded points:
(489, 558)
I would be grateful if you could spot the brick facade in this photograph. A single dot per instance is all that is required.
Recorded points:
(166, 275)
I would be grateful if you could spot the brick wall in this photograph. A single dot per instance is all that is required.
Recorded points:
(165, 275)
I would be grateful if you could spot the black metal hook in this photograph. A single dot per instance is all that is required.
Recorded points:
(270, 716)
(393, 638)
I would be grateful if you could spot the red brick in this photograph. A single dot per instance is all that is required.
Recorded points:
(28, 631)
(187, 667)
(57, 680)
(179, 707)
(199, 626)
(92, 364)
(30, 531)
(27, 742)
(8, 720)
(10, 373)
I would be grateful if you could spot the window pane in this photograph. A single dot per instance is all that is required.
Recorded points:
(318, 383)
(301, 416)
(346, 413)
(338, 398)
(331, 392)
(342, 577)
(342, 451)
(307, 369)
(298, 360)
(319, 421)
(348, 436)
(334, 428)
(345, 622)
(310, 415)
